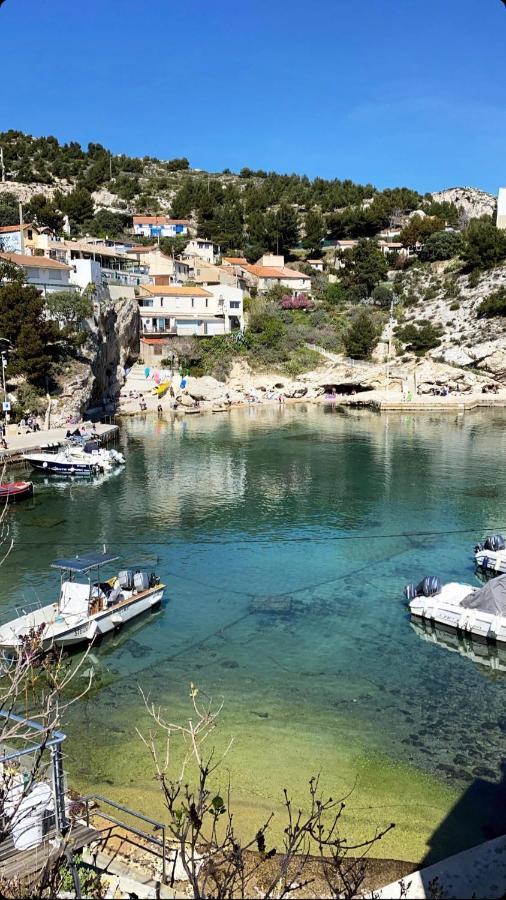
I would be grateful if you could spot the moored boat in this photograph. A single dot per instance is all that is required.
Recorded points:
(85, 610)
(480, 612)
(490, 555)
(12, 491)
(61, 463)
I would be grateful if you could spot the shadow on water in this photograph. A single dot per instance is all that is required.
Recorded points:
(480, 812)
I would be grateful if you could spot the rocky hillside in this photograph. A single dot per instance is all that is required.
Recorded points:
(472, 202)
(451, 301)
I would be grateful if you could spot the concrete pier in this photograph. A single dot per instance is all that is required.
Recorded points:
(35, 441)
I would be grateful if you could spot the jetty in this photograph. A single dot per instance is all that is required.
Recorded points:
(35, 441)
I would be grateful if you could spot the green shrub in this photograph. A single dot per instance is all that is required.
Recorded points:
(455, 305)
(493, 305)
(420, 337)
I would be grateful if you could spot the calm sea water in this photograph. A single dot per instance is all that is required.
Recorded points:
(285, 537)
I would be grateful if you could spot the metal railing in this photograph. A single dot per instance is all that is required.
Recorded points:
(160, 843)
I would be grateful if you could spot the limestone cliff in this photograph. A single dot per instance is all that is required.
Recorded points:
(472, 202)
(98, 375)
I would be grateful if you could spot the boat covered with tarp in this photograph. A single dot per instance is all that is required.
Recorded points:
(480, 612)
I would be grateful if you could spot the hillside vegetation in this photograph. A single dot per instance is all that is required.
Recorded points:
(251, 212)
(444, 295)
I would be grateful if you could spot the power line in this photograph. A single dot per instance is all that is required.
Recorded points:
(273, 539)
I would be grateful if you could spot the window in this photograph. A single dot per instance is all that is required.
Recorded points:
(207, 303)
(234, 304)
(193, 303)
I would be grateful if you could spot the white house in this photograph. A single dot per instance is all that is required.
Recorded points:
(200, 247)
(46, 274)
(162, 269)
(270, 270)
(160, 226)
(169, 311)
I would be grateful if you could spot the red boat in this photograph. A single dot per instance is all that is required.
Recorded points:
(15, 490)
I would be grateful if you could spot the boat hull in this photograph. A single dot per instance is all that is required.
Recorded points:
(12, 492)
(84, 631)
(444, 610)
(491, 560)
(61, 467)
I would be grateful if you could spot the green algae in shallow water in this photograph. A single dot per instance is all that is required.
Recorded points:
(338, 521)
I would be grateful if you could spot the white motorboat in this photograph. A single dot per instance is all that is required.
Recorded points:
(106, 460)
(77, 459)
(480, 612)
(490, 555)
(62, 463)
(84, 611)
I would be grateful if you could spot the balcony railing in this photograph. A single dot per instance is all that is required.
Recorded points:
(127, 278)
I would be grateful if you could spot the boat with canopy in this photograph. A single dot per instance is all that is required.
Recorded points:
(87, 606)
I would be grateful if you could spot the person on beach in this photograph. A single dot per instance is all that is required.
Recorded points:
(160, 409)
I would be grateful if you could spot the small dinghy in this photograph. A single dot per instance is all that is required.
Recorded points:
(479, 612)
(490, 555)
(12, 491)
(85, 610)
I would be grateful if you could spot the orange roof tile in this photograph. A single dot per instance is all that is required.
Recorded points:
(273, 272)
(40, 262)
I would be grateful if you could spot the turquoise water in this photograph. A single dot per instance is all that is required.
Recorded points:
(285, 537)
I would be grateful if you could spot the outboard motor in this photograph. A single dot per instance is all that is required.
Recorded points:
(495, 542)
(428, 587)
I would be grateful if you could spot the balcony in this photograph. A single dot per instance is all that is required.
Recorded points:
(131, 279)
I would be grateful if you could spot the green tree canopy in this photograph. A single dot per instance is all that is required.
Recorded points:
(382, 295)
(365, 266)
(442, 245)
(173, 246)
(44, 212)
(315, 231)
(31, 334)
(9, 209)
(78, 205)
(418, 230)
(362, 336)
(484, 244)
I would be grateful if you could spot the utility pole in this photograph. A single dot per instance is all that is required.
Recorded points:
(2, 167)
(6, 412)
(21, 229)
(110, 166)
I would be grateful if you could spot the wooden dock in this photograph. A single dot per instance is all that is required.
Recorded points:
(19, 864)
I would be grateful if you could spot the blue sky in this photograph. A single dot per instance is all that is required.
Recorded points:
(389, 91)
